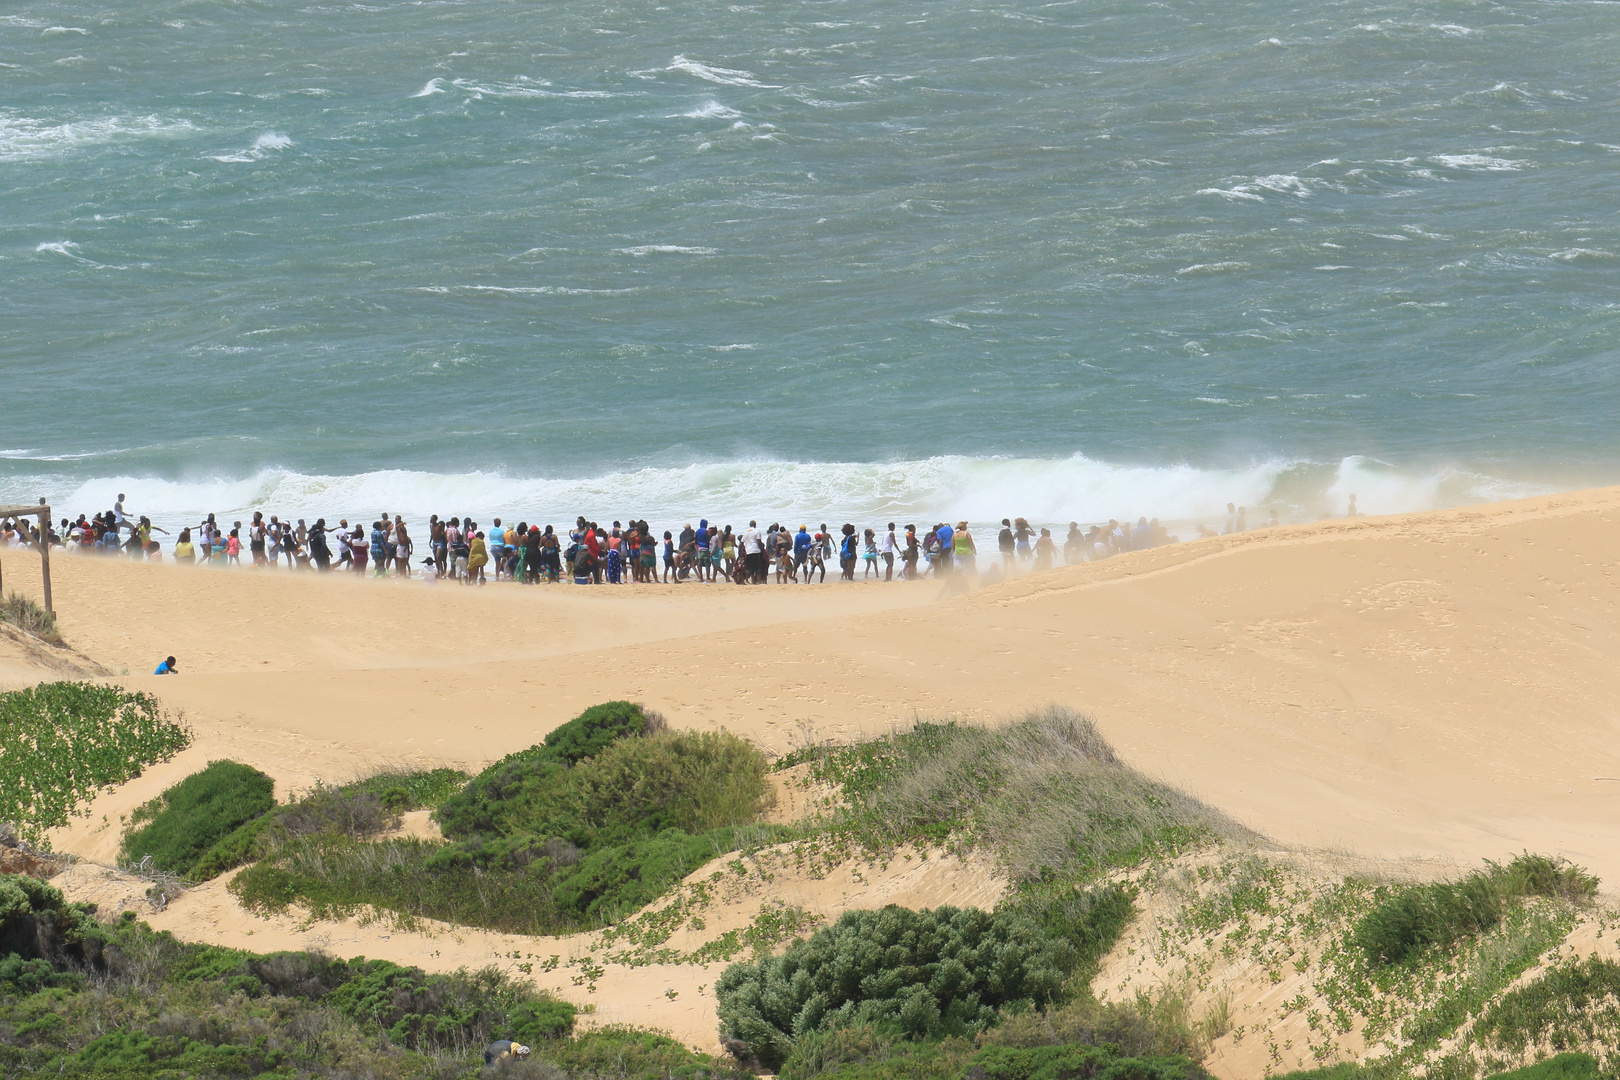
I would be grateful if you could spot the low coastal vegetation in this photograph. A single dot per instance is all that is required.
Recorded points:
(180, 828)
(1046, 794)
(62, 743)
(27, 615)
(119, 1001)
(596, 822)
(612, 811)
(1411, 920)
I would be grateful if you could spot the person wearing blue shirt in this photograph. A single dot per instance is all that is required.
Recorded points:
(947, 539)
(801, 551)
(168, 667)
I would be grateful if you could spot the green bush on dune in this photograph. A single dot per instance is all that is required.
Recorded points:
(179, 827)
(506, 790)
(599, 820)
(1439, 914)
(925, 974)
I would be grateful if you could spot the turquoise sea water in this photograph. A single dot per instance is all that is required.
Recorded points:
(1074, 259)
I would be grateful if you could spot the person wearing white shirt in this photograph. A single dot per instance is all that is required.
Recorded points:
(887, 548)
(754, 548)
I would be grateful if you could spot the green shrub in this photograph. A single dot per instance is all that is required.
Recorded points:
(179, 827)
(869, 1057)
(1077, 1063)
(61, 743)
(638, 788)
(335, 811)
(238, 846)
(1572, 1005)
(924, 974)
(621, 1051)
(1418, 917)
(488, 803)
(1561, 1067)
(1046, 792)
(178, 1010)
(402, 789)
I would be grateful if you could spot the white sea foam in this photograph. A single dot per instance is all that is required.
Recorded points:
(23, 137)
(710, 109)
(723, 76)
(1253, 188)
(665, 249)
(266, 143)
(1212, 268)
(978, 489)
(1478, 162)
(433, 86)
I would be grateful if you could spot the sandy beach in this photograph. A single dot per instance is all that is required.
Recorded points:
(1438, 685)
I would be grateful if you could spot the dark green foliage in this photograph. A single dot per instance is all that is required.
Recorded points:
(617, 1051)
(1562, 1067)
(866, 1056)
(1571, 1005)
(238, 846)
(636, 788)
(487, 805)
(61, 743)
(1077, 1063)
(21, 976)
(924, 974)
(1439, 914)
(37, 923)
(1089, 920)
(538, 894)
(362, 808)
(179, 827)
(603, 836)
(1046, 792)
(156, 1007)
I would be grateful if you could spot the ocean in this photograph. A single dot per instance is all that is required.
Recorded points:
(809, 260)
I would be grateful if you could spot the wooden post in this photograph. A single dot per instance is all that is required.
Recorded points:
(43, 512)
(45, 551)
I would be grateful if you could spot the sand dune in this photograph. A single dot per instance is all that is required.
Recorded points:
(1433, 684)
(1439, 686)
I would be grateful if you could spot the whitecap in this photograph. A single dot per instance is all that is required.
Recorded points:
(1571, 254)
(723, 76)
(265, 143)
(65, 30)
(1478, 162)
(709, 109)
(665, 249)
(1212, 268)
(432, 87)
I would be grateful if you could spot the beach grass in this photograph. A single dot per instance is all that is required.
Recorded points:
(30, 617)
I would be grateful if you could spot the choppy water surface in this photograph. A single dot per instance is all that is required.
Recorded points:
(1096, 258)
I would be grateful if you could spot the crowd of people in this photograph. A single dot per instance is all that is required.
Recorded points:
(462, 550)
